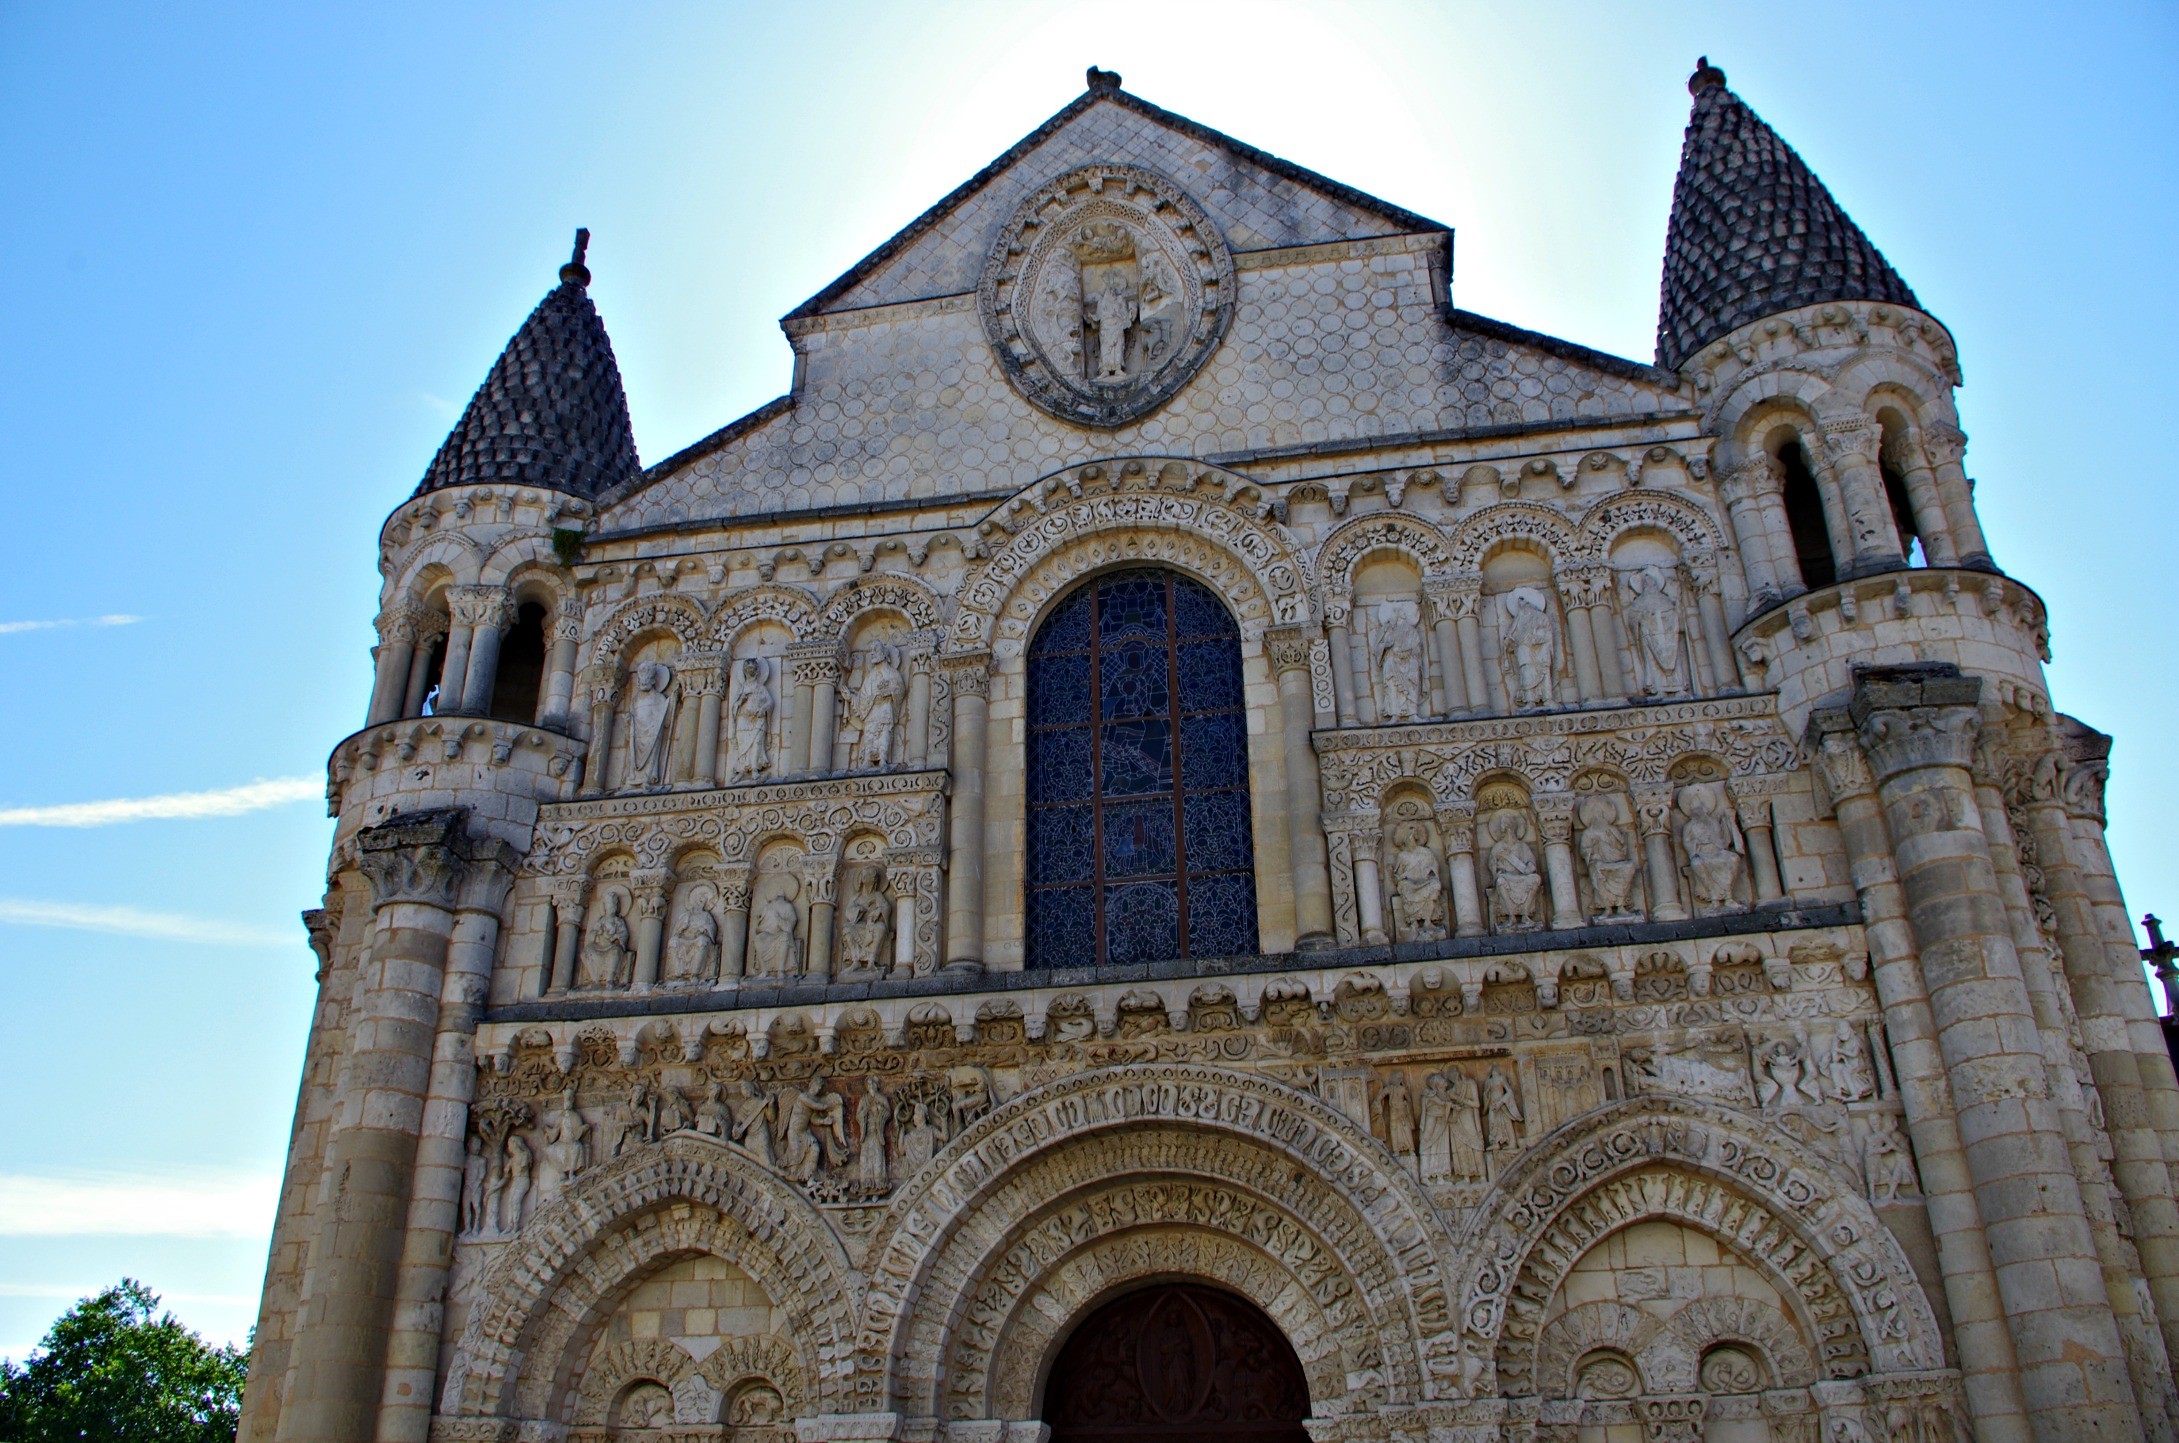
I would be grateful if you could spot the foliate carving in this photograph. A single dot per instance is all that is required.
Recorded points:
(1904, 739)
(417, 857)
(489, 607)
(1364, 536)
(1105, 293)
(1288, 648)
(870, 593)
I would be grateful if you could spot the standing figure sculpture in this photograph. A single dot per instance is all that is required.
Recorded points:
(1467, 1141)
(607, 960)
(1434, 1112)
(1399, 661)
(1418, 888)
(1652, 609)
(567, 1148)
(1711, 837)
(1114, 310)
(1851, 1080)
(752, 1121)
(816, 1137)
(873, 1114)
(1501, 1113)
(749, 747)
(650, 742)
(876, 711)
(515, 1196)
(1528, 648)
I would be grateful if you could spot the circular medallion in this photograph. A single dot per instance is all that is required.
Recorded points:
(1106, 293)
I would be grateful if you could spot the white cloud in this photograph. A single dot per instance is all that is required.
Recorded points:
(9, 628)
(225, 802)
(192, 1204)
(134, 922)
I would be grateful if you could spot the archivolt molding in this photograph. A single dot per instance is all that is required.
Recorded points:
(1356, 540)
(664, 1363)
(1319, 1177)
(545, 1295)
(791, 606)
(1486, 530)
(875, 593)
(1254, 564)
(1612, 517)
(516, 552)
(1712, 1168)
(681, 615)
(462, 557)
(1750, 1324)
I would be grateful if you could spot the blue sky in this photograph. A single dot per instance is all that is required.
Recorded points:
(258, 257)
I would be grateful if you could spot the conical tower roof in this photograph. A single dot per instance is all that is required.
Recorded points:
(552, 412)
(1753, 232)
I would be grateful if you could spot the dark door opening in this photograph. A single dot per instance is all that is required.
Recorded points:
(1177, 1362)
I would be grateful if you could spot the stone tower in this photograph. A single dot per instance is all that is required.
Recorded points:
(1186, 838)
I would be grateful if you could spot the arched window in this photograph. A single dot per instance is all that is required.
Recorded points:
(520, 678)
(1804, 514)
(1140, 846)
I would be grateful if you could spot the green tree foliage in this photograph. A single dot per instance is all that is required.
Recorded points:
(109, 1371)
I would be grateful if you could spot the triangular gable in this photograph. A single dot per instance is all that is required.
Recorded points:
(1259, 201)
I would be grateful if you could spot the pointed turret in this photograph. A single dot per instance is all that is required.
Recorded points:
(552, 412)
(1753, 232)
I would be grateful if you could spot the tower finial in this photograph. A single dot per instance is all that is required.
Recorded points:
(1103, 82)
(575, 270)
(1706, 77)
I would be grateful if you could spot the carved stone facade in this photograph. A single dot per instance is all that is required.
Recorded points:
(1691, 996)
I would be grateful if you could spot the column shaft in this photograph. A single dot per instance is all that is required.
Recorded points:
(1471, 660)
(390, 679)
(412, 701)
(1342, 649)
(453, 672)
(965, 855)
(1447, 633)
(1368, 894)
(1289, 650)
(918, 748)
(1585, 677)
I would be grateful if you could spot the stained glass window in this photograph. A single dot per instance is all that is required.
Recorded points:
(1139, 837)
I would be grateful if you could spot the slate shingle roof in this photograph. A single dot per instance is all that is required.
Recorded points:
(552, 412)
(1753, 232)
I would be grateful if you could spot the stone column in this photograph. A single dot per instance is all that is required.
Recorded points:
(818, 884)
(1364, 681)
(1466, 596)
(412, 1354)
(734, 881)
(970, 679)
(1611, 657)
(1576, 589)
(1771, 578)
(598, 755)
(1288, 649)
(1850, 446)
(567, 929)
(1555, 819)
(703, 674)
(1369, 895)
(902, 882)
(1457, 825)
(416, 865)
(1445, 627)
(1717, 641)
(1946, 447)
(1342, 649)
(453, 671)
(652, 886)
(917, 746)
(487, 612)
(391, 660)
(429, 637)
(823, 674)
(1755, 825)
(1653, 818)
(1927, 500)
(795, 725)
(1988, 1362)
(1917, 726)
(557, 707)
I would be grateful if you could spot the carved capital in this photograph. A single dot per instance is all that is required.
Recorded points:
(651, 884)
(1754, 812)
(401, 622)
(489, 607)
(1457, 824)
(416, 857)
(1920, 715)
(967, 673)
(1944, 443)
(323, 925)
(1702, 573)
(1832, 746)
(813, 664)
(1555, 815)
(1850, 438)
(734, 884)
(2086, 769)
(1754, 477)
(1288, 648)
(1653, 807)
(703, 673)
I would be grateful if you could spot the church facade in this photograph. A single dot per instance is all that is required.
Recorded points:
(1186, 838)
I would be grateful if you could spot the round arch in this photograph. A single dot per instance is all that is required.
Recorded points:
(677, 615)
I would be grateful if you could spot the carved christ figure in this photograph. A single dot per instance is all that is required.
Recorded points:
(1514, 878)
(877, 708)
(694, 954)
(606, 960)
(567, 1145)
(1399, 661)
(1653, 615)
(652, 737)
(873, 1114)
(1607, 851)
(772, 939)
(863, 919)
(1114, 308)
(1418, 889)
(749, 752)
(1529, 647)
(1711, 837)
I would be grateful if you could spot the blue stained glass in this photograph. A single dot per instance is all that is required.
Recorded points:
(1132, 681)
(1142, 922)
(1138, 757)
(1216, 750)
(1131, 607)
(1063, 924)
(1060, 838)
(1139, 838)
(1210, 676)
(1216, 828)
(1198, 613)
(1222, 915)
(1067, 628)
(1059, 691)
(1059, 766)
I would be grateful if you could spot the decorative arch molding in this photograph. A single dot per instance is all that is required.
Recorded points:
(462, 557)
(790, 606)
(1919, 377)
(546, 1294)
(1255, 565)
(518, 552)
(1613, 517)
(1713, 1168)
(1745, 1323)
(1580, 1331)
(1311, 1174)
(680, 615)
(1364, 536)
(1513, 521)
(1795, 392)
(883, 592)
(638, 1360)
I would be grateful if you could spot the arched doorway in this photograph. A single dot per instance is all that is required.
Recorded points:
(1177, 1362)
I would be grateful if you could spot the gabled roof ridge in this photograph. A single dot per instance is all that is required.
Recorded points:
(1101, 89)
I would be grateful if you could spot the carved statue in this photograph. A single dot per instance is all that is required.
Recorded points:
(1399, 660)
(474, 1174)
(920, 1139)
(1851, 1079)
(1467, 1123)
(865, 918)
(1515, 882)
(1529, 648)
(643, 1105)
(876, 711)
(749, 748)
(1112, 310)
(714, 1115)
(651, 739)
(607, 960)
(1711, 837)
(567, 1147)
(752, 1113)
(1885, 1160)
(1501, 1112)
(873, 1114)
(694, 954)
(1781, 1077)
(673, 1112)
(971, 1098)
(1396, 1110)
(1652, 610)
(773, 949)
(815, 1136)
(1418, 887)
(1607, 852)
(646, 1405)
(1435, 1114)
(515, 1193)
